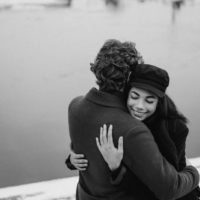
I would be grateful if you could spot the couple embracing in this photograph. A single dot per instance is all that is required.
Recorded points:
(127, 137)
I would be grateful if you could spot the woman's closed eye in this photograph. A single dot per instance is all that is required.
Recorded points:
(151, 100)
(134, 96)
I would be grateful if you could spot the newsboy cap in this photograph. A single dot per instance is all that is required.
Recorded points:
(150, 78)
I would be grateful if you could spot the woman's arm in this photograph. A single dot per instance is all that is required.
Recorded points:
(113, 156)
(76, 161)
(69, 164)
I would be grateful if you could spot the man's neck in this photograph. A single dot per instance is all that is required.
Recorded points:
(116, 93)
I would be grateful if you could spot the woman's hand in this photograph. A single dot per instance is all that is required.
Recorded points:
(78, 161)
(113, 156)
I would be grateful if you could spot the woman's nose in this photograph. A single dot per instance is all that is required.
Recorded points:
(140, 105)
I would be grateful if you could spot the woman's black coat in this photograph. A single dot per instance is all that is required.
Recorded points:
(170, 135)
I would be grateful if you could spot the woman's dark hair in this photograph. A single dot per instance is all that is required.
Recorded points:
(167, 109)
(113, 63)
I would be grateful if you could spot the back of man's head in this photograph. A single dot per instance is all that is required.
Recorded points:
(113, 63)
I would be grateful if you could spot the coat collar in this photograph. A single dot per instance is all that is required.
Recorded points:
(106, 99)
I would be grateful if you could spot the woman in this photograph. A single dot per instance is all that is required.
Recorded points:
(147, 102)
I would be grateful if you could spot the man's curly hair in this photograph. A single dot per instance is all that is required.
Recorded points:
(113, 64)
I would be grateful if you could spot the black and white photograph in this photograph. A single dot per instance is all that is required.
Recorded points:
(99, 100)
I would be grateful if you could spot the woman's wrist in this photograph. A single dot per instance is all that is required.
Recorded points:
(114, 167)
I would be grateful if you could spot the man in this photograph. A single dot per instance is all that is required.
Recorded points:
(148, 170)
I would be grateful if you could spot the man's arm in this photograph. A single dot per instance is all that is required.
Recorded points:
(143, 158)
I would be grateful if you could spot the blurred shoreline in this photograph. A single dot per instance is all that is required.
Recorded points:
(22, 4)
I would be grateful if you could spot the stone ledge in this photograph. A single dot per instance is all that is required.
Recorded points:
(58, 189)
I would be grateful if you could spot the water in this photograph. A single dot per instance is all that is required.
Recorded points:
(45, 53)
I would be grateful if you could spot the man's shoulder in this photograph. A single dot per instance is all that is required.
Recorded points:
(138, 127)
(133, 125)
(80, 98)
(75, 101)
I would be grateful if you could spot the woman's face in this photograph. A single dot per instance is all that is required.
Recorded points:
(141, 104)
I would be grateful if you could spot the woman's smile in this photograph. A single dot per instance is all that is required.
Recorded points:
(138, 114)
(141, 104)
